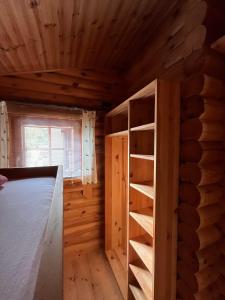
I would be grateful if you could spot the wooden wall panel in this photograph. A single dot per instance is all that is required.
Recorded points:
(84, 204)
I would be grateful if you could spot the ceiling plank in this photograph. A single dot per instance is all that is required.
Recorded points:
(52, 34)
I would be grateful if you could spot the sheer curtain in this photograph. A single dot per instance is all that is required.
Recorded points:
(4, 136)
(89, 171)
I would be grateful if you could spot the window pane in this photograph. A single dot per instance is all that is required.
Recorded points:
(57, 157)
(36, 158)
(46, 145)
(57, 138)
(36, 137)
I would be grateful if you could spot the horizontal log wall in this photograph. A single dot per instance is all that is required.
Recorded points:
(180, 49)
(202, 191)
(84, 205)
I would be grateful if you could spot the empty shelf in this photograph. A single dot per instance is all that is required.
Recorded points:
(119, 133)
(144, 220)
(144, 189)
(145, 253)
(142, 156)
(150, 126)
(144, 278)
(137, 293)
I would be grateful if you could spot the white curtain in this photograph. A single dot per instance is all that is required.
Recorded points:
(89, 172)
(4, 136)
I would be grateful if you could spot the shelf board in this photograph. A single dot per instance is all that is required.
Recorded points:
(147, 91)
(142, 156)
(118, 110)
(145, 253)
(144, 278)
(119, 133)
(150, 126)
(145, 219)
(143, 188)
(137, 293)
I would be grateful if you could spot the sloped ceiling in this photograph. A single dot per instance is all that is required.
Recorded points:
(52, 34)
(98, 36)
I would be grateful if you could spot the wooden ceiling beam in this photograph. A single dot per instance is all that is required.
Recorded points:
(35, 86)
(66, 80)
(48, 98)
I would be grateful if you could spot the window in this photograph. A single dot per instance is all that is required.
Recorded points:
(47, 142)
(47, 146)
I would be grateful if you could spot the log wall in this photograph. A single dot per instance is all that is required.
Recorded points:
(202, 208)
(84, 204)
(181, 49)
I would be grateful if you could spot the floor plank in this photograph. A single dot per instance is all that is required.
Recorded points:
(88, 276)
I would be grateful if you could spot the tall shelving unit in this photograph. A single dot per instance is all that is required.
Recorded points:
(153, 149)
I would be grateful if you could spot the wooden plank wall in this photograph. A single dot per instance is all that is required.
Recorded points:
(186, 55)
(84, 204)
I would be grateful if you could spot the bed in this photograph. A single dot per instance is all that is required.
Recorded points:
(31, 234)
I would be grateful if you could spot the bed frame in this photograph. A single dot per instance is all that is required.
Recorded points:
(49, 285)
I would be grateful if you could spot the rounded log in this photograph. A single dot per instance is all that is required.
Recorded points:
(220, 284)
(196, 129)
(203, 85)
(202, 152)
(192, 107)
(209, 255)
(184, 291)
(209, 235)
(188, 255)
(214, 64)
(200, 280)
(200, 239)
(201, 259)
(201, 195)
(214, 110)
(198, 218)
(221, 224)
(201, 174)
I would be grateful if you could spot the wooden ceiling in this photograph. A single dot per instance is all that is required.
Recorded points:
(70, 87)
(50, 34)
(73, 49)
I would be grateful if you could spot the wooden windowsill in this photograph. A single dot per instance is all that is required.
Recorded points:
(71, 181)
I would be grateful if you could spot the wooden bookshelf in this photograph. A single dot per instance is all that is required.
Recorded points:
(144, 278)
(142, 156)
(144, 220)
(144, 188)
(137, 293)
(119, 133)
(149, 124)
(145, 253)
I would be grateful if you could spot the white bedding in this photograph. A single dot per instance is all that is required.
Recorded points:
(24, 211)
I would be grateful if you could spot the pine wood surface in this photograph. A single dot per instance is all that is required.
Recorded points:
(58, 34)
(88, 276)
(201, 210)
(84, 205)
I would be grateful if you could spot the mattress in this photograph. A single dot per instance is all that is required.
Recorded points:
(24, 210)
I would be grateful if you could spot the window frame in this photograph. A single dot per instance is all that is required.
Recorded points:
(20, 122)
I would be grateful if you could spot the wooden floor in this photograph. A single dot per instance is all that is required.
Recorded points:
(88, 276)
